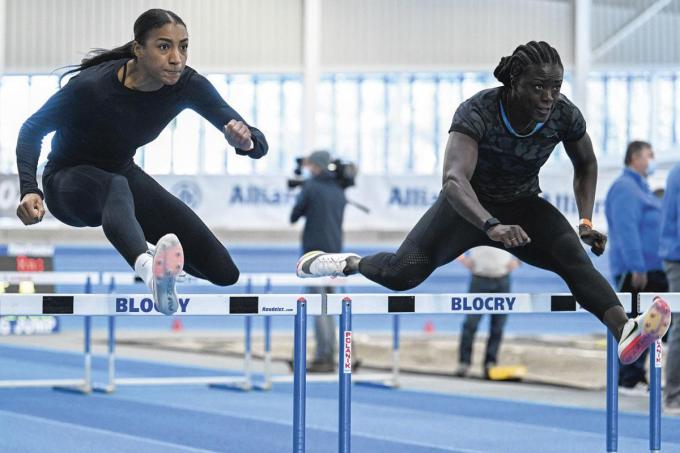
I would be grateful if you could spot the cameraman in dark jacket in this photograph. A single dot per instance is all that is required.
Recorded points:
(322, 201)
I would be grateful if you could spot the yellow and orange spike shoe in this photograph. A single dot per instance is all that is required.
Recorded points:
(640, 332)
(168, 261)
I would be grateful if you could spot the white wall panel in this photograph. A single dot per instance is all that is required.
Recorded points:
(357, 35)
(226, 35)
(434, 34)
(655, 43)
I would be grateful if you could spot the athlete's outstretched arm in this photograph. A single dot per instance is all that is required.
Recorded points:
(202, 97)
(585, 182)
(585, 174)
(460, 161)
(60, 109)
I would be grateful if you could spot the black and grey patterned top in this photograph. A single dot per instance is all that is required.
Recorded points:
(507, 166)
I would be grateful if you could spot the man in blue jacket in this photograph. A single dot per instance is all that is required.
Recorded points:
(322, 202)
(634, 215)
(669, 249)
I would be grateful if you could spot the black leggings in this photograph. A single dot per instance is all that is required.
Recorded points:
(442, 235)
(133, 208)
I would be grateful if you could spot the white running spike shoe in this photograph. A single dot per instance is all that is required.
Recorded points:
(168, 261)
(320, 264)
(640, 332)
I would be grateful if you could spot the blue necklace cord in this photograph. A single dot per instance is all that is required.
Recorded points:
(506, 121)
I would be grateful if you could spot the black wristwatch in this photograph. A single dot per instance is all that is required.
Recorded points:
(492, 222)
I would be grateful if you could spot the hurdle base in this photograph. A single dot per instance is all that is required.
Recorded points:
(104, 389)
(377, 384)
(262, 387)
(224, 383)
(378, 380)
(83, 390)
(235, 387)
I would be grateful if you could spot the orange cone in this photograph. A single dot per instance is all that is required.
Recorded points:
(177, 325)
(428, 328)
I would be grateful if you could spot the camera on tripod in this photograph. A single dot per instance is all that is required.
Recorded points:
(343, 172)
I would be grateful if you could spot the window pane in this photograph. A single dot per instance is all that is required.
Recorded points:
(270, 121)
(424, 152)
(640, 110)
(186, 144)
(14, 109)
(215, 145)
(346, 91)
(372, 141)
(241, 98)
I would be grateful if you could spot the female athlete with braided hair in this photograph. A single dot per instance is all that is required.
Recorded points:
(498, 141)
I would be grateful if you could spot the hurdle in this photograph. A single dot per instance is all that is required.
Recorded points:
(245, 382)
(242, 382)
(655, 362)
(51, 277)
(404, 304)
(384, 379)
(191, 305)
(80, 385)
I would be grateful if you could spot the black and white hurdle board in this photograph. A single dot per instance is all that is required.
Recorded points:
(142, 304)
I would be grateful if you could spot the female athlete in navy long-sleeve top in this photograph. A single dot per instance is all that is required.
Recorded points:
(120, 100)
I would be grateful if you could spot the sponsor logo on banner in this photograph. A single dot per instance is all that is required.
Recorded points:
(658, 356)
(488, 303)
(189, 192)
(28, 325)
(130, 305)
(262, 202)
(412, 196)
(260, 195)
(277, 309)
(347, 348)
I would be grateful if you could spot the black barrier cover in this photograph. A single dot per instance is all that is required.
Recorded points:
(57, 305)
(562, 303)
(243, 305)
(401, 304)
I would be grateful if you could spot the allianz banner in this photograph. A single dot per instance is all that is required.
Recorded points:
(241, 202)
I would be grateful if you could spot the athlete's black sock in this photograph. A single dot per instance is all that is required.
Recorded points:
(615, 318)
(352, 266)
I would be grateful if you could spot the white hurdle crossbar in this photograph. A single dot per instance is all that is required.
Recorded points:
(51, 277)
(246, 279)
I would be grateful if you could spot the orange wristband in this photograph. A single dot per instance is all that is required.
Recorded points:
(587, 223)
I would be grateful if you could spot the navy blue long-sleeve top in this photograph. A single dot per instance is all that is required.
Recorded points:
(100, 122)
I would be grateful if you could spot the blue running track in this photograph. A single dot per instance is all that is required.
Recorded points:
(172, 419)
